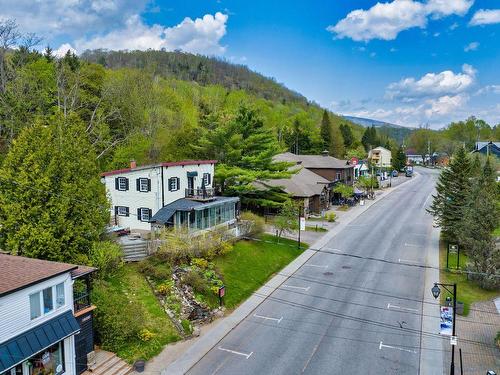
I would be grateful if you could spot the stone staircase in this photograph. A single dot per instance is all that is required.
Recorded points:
(134, 252)
(107, 363)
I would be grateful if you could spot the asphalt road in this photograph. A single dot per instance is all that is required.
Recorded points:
(347, 310)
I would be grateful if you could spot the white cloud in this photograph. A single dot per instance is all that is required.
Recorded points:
(485, 17)
(471, 46)
(63, 49)
(443, 8)
(386, 20)
(382, 21)
(70, 18)
(433, 84)
(495, 89)
(201, 35)
(453, 26)
(445, 105)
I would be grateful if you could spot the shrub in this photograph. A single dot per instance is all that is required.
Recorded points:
(145, 335)
(106, 256)
(255, 224)
(165, 287)
(199, 262)
(196, 281)
(186, 326)
(156, 268)
(117, 320)
(330, 217)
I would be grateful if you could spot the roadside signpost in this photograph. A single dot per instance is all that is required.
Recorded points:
(222, 292)
(454, 249)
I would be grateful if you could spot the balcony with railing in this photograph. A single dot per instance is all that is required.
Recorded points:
(201, 194)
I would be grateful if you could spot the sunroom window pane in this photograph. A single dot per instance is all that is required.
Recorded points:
(48, 302)
(60, 300)
(35, 311)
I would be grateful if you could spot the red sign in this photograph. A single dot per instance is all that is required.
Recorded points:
(222, 291)
(354, 161)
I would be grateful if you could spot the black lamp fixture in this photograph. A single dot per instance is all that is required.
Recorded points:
(435, 291)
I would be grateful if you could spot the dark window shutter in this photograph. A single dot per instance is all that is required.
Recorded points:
(127, 211)
(150, 214)
(116, 183)
(116, 210)
(169, 184)
(209, 179)
(126, 183)
(138, 184)
(149, 184)
(178, 183)
(139, 214)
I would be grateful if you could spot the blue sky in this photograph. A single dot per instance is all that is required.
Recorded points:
(411, 62)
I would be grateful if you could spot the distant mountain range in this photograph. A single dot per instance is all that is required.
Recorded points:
(398, 132)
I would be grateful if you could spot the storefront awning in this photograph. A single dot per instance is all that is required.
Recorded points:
(25, 345)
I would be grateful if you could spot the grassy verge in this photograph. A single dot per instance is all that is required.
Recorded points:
(251, 264)
(132, 284)
(468, 292)
(315, 229)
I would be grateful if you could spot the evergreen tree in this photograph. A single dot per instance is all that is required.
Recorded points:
(326, 131)
(347, 135)
(370, 138)
(452, 188)
(52, 203)
(399, 158)
(337, 148)
(481, 217)
(48, 54)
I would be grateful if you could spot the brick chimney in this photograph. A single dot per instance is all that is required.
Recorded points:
(133, 164)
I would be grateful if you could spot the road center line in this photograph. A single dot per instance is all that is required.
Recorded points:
(235, 352)
(315, 265)
(268, 318)
(389, 306)
(395, 347)
(296, 287)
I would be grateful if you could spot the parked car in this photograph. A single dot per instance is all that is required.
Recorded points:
(395, 173)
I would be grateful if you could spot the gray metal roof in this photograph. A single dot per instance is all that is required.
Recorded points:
(314, 161)
(183, 204)
(302, 184)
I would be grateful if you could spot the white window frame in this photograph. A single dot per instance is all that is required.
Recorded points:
(143, 189)
(55, 306)
(124, 213)
(173, 181)
(144, 210)
(206, 177)
(124, 181)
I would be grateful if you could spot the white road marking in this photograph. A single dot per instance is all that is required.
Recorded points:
(315, 265)
(296, 287)
(411, 245)
(425, 203)
(235, 352)
(395, 347)
(268, 318)
(389, 306)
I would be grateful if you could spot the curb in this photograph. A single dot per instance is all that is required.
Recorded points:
(199, 349)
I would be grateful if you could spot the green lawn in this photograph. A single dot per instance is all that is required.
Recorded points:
(251, 264)
(467, 291)
(316, 228)
(130, 282)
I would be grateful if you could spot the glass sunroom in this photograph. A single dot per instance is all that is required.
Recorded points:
(195, 215)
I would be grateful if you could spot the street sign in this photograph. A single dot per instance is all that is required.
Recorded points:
(453, 340)
(302, 223)
(222, 291)
(453, 248)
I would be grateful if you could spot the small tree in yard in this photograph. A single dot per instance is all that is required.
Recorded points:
(344, 190)
(288, 218)
(481, 217)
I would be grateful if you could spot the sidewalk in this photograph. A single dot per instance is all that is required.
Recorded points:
(222, 327)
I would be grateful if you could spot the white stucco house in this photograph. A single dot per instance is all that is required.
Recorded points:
(45, 329)
(167, 194)
(380, 157)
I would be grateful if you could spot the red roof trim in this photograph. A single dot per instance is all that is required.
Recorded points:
(164, 164)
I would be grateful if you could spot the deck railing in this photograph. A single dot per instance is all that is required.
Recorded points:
(200, 194)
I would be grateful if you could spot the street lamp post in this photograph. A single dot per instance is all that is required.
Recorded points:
(435, 292)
